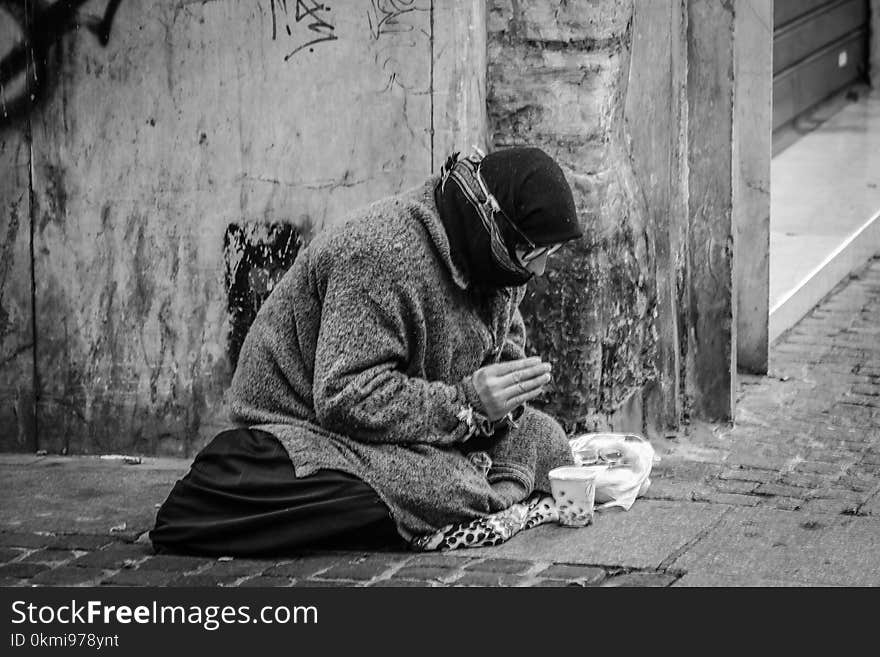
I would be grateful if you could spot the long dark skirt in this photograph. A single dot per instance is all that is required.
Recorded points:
(241, 497)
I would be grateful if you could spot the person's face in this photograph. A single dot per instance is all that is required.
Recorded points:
(535, 260)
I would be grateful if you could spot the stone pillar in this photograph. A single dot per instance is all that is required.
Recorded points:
(752, 147)
(710, 325)
(557, 78)
(655, 112)
(729, 96)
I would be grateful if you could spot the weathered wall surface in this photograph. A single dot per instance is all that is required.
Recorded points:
(16, 329)
(558, 77)
(176, 170)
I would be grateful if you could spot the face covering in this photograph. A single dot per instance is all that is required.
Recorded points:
(490, 206)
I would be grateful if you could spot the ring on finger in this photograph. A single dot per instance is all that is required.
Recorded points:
(520, 386)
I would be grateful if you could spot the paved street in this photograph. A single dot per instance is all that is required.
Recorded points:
(789, 495)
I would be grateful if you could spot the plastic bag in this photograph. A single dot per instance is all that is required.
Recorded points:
(629, 459)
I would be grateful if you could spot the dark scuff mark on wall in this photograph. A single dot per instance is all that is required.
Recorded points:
(606, 377)
(144, 287)
(682, 297)
(105, 346)
(6, 259)
(56, 193)
(518, 119)
(256, 256)
(24, 68)
(105, 217)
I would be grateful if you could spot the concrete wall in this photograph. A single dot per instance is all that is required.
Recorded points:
(175, 170)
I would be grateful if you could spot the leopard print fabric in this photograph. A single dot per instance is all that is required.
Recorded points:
(494, 529)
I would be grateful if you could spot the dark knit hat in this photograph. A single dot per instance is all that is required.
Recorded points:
(532, 190)
(533, 194)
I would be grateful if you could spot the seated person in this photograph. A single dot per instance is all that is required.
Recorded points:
(382, 391)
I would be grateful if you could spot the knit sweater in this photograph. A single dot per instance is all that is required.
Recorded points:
(361, 358)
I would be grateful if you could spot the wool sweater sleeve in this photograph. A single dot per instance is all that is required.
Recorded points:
(369, 332)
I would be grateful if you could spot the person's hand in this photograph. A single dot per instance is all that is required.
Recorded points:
(504, 386)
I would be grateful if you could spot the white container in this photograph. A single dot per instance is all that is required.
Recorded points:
(574, 489)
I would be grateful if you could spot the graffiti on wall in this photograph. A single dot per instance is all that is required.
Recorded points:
(311, 24)
(384, 16)
(308, 23)
(32, 28)
(256, 256)
(396, 26)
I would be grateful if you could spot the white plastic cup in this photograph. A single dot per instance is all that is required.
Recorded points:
(574, 489)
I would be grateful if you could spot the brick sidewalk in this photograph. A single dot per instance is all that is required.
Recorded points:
(84, 560)
(803, 461)
(806, 437)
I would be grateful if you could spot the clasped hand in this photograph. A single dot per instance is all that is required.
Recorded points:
(502, 387)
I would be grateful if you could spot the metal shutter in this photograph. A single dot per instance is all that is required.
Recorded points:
(819, 47)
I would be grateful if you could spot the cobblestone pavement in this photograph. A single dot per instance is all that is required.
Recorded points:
(81, 560)
(807, 436)
(796, 477)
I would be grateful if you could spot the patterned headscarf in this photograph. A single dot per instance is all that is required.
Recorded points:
(516, 197)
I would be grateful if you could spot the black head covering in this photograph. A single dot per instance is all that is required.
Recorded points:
(530, 189)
